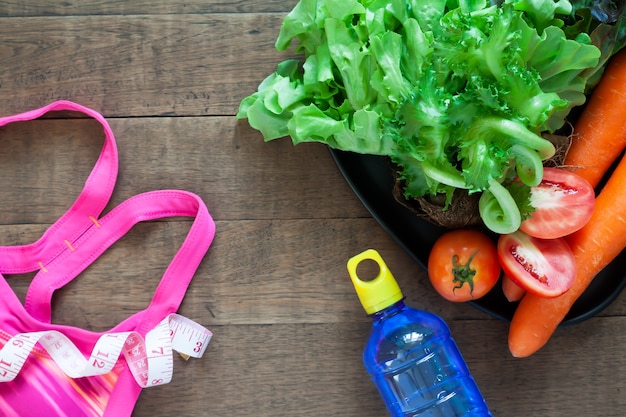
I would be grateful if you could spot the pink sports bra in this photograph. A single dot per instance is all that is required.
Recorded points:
(57, 370)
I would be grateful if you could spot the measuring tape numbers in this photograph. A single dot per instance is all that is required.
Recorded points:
(149, 359)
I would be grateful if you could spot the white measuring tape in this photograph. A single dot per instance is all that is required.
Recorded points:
(150, 359)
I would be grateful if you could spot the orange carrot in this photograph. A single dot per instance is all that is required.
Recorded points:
(594, 247)
(511, 290)
(600, 132)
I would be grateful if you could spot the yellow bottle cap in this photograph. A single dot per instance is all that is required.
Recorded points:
(380, 292)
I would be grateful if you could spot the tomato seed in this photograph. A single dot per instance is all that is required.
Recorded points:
(528, 267)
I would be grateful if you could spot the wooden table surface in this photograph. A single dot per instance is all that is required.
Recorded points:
(288, 327)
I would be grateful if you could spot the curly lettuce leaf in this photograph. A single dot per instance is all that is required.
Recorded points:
(561, 65)
(543, 13)
(455, 92)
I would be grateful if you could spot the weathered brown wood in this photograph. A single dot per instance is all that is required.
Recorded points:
(257, 272)
(143, 7)
(315, 370)
(273, 287)
(138, 65)
(219, 158)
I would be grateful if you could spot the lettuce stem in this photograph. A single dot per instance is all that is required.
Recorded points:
(518, 133)
(528, 165)
(498, 209)
(443, 176)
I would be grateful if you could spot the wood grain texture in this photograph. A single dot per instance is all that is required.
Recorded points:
(316, 370)
(138, 65)
(219, 158)
(15, 8)
(273, 287)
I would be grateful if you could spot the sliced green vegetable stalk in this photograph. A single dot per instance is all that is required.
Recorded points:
(455, 93)
(499, 210)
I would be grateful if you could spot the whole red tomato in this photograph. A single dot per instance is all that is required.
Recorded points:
(463, 265)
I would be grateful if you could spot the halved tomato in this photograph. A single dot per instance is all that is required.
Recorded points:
(563, 203)
(544, 267)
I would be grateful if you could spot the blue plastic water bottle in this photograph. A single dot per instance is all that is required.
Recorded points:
(410, 355)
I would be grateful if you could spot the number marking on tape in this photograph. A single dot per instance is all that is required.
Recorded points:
(149, 359)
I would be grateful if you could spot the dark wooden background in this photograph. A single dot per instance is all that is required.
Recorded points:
(169, 76)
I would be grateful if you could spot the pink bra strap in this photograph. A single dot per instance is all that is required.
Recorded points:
(89, 204)
(110, 228)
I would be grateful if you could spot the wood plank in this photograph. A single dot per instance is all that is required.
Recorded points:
(159, 65)
(122, 7)
(256, 272)
(272, 370)
(562, 379)
(223, 160)
(315, 370)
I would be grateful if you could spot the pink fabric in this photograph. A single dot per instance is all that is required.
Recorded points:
(69, 246)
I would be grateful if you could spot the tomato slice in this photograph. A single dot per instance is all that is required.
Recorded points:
(544, 267)
(563, 203)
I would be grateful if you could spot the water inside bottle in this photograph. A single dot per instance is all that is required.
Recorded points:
(427, 378)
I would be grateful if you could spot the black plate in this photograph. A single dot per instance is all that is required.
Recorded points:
(371, 178)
